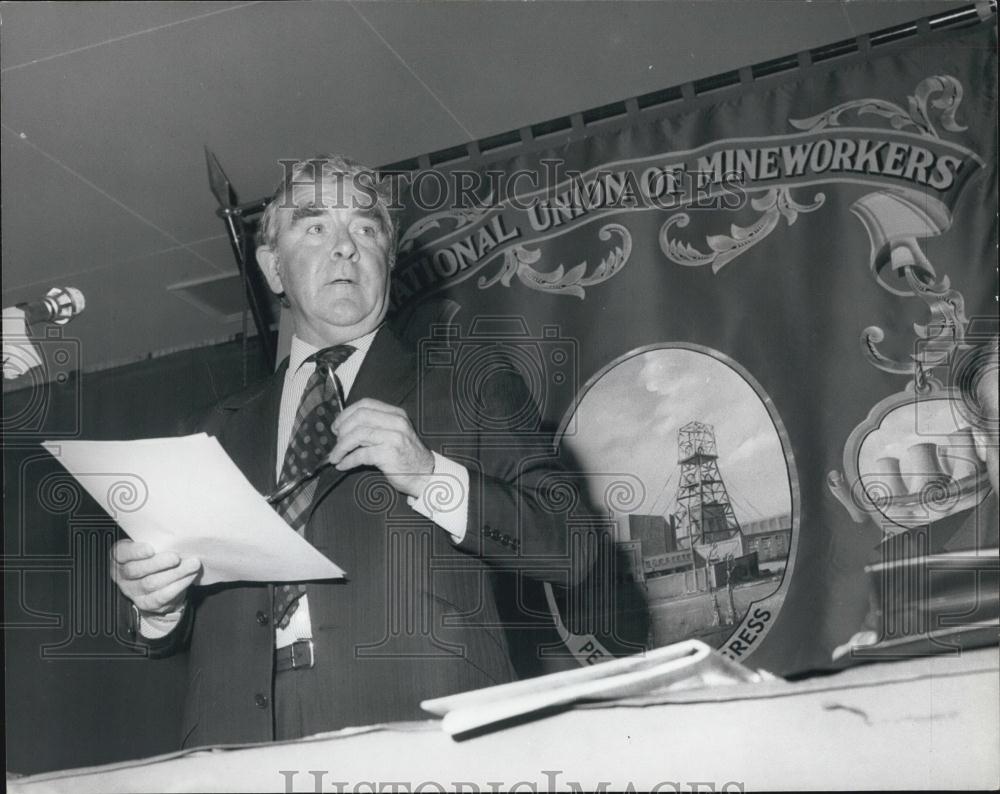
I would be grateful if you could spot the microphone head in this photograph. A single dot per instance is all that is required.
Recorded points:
(76, 298)
(65, 303)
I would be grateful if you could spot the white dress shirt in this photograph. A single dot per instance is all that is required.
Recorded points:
(449, 477)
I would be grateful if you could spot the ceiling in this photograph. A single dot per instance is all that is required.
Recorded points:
(107, 108)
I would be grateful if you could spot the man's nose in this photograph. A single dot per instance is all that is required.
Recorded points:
(344, 246)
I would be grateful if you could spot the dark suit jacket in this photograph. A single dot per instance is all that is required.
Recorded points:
(415, 618)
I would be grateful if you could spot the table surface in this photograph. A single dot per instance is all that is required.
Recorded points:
(922, 723)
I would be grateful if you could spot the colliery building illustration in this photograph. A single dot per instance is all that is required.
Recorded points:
(699, 548)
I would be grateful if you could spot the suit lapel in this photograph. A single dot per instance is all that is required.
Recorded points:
(252, 436)
(388, 373)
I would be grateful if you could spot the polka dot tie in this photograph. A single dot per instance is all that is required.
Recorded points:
(312, 441)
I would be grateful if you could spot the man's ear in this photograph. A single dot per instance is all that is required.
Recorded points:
(267, 259)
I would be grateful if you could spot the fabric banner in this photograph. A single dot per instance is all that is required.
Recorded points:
(743, 319)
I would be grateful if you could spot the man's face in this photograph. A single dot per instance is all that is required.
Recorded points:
(332, 262)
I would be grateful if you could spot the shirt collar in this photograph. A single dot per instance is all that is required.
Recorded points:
(300, 350)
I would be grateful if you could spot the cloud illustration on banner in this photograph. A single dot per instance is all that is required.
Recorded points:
(628, 421)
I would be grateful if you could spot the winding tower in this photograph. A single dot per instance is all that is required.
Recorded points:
(705, 515)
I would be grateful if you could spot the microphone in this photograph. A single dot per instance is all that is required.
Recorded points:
(59, 306)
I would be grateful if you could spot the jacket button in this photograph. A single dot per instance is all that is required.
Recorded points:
(262, 618)
(261, 700)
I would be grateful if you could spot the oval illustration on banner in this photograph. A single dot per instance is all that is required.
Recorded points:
(708, 523)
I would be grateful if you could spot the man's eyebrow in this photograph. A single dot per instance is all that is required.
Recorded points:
(371, 215)
(300, 213)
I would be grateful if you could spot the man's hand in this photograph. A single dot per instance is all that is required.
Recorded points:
(373, 433)
(156, 583)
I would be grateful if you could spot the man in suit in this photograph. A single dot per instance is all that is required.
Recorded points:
(416, 519)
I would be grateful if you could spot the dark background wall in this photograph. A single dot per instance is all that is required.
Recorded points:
(76, 694)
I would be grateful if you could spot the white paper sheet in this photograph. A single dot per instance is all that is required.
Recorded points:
(19, 353)
(688, 664)
(186, 495)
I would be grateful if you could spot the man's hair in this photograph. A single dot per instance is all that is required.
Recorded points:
(971, 370)
(328, 167)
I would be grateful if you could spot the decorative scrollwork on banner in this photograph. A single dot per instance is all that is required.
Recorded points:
(518, 261)
(461, 217)
(937, 340)
(917, 115)
(776, 203)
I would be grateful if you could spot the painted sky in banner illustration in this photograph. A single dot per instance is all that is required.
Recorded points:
(629, 420)
(783, 273)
